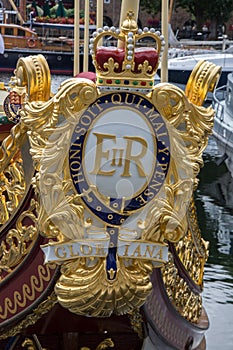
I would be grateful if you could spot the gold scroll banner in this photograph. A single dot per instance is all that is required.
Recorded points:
(99, 248)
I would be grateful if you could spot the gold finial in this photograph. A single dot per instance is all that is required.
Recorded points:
(130, 23)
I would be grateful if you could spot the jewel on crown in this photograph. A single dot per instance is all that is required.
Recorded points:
(128, 65)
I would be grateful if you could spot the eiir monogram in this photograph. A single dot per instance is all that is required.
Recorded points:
(135, 150)
(119, 157)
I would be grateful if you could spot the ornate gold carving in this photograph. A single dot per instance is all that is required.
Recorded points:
(28, 292)
(186, 302)
(83, 287)
(33, 76)
(136, 322)
(32, 318)
(202, 80)
(28, 344)
(10, 146)
(105, 344)
(18, 241)
(32, 344)
(189, 128)
(33, 73)
(12, 188)
(190, 123)
(86, 280)
(42, 118)
(192, 249)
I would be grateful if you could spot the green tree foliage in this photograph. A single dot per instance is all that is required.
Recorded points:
(46, 9)
(151, 7)
(218, 11)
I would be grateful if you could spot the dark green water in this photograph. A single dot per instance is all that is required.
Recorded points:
(214, 200)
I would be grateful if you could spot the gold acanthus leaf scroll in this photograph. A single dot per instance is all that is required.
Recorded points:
(41, 118)
(50, 128)
(189, 127)
(193, 123)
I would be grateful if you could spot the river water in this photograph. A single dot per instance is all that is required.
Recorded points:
(214, 201)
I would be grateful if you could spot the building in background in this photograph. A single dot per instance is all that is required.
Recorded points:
(111, 10)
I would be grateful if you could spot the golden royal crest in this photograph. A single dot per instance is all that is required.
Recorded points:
(116, 164)
(119, 158)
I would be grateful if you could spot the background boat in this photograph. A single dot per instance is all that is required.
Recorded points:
(180, 68)
(54, 41)
(223, 125)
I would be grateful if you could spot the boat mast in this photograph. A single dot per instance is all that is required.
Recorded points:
(76, 67)
(170, 11)
(22, 9)
(164, 66)
(86, 35)
(99, 15)
(20, 18)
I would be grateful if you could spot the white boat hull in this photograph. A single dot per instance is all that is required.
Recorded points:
(223, 124)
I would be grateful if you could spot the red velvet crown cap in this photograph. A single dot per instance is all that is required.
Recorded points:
(141, 54)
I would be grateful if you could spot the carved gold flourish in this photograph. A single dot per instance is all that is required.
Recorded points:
(41, 118)
(12, 188)
(32, 318)
(192, 249)
(30, 344)
(166, 220)
(49, 150)
(105, 344)
(189, 128)
(12, 179)
(33, 73)
(136, 322)
(28, 293)
(193, 123)
(187, 303)
(78, 288)
(202, 80)
(18, 241)
(10, 146)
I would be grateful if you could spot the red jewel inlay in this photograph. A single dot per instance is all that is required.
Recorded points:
(109, 81)
(143, 83)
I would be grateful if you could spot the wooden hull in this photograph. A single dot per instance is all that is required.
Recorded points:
(60, 329)
(166, 326)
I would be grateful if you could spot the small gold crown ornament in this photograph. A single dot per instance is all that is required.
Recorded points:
(129, 65)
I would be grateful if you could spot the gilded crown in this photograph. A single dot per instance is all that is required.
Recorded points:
(128, 65)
